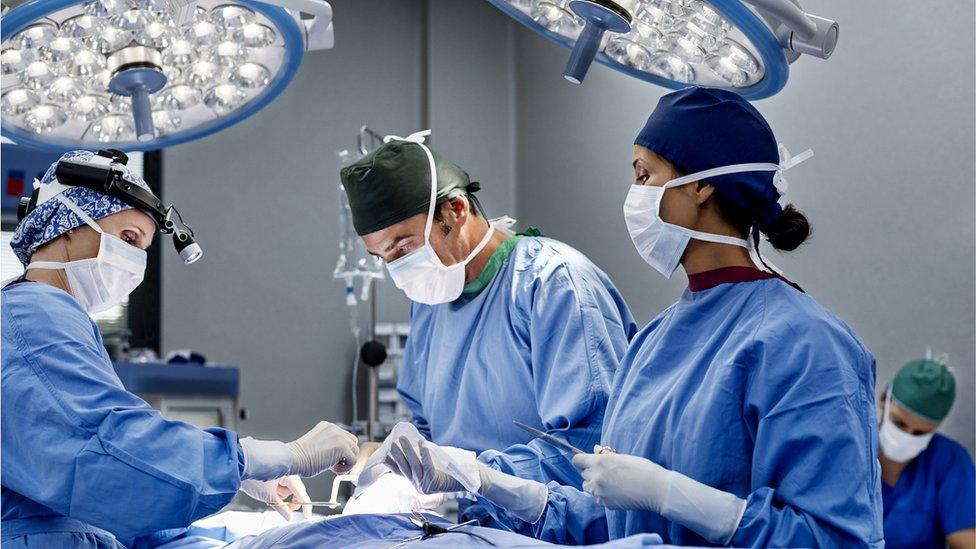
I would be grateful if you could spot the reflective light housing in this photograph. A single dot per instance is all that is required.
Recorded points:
(142, 74)
(674, 43)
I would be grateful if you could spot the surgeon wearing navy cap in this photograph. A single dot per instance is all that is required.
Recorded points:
(744, 413)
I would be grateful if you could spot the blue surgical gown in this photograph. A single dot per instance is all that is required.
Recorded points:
(540, 344)
(755, 389)
(933, 497)
(85, 462)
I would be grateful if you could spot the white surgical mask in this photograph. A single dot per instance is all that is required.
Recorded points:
(662, 244)
(420, 274)
(896, 444)
(101, 282)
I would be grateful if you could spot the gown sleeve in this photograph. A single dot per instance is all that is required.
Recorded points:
(815, 473)
(575, 332)
(571, 517)
(955, 503)
(77, 442)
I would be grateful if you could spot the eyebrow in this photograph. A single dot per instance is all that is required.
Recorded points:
(396, 242)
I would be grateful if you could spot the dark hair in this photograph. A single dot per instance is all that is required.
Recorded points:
(439, 215)
(789, 230)
(785, 233)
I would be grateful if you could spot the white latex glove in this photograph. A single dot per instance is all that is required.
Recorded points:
(426, 475)
(277, 491)
(526, 499)
(326, 446)
(619, 481)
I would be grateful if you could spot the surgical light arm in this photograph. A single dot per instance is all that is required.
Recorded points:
(798, 31)
(319, 34)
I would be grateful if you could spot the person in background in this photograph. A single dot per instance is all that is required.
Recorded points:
(929, 487)
(744, 413)
(503, 326)
(85, 462)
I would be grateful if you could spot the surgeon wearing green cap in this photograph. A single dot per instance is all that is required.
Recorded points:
(503, 326)
(928, 483)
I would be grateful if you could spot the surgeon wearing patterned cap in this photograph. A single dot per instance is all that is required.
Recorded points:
(503, 326)
(928, 483)
(85, 462)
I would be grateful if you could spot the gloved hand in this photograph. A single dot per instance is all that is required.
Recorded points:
(620, 481)
(326, 446)
(421, 470)
(276, 491)
(525, 499)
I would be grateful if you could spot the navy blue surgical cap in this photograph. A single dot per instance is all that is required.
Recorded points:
(697, 129)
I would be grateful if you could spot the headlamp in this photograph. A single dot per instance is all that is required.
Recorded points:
(101, 174)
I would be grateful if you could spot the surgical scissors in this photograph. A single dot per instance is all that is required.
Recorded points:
(431, 529)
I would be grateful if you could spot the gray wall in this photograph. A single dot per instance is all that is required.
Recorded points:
(890, 191)
(262, 198)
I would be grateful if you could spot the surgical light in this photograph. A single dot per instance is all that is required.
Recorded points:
(147, 74)
(742, 45)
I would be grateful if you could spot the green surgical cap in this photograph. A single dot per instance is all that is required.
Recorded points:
(925, 388)
(392, 183)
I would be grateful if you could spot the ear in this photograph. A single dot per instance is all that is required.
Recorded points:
(703, 191)
(458, 208)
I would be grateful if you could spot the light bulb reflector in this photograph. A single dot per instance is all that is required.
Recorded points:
(44, 118)
(18, 101)
(89, 107)
(250, 76)
(15, 60)
(224, 97)
(166, 122)
(114, 127)
(35, 36)
(672, 67)
(556, 16)
(82, 27)
(60, 50)
(86, 64)
(254, 35)
(180, 98)
(204, 33)
(733, 64)
(64, 89)
(106, 8)
(228, 53)
(180, 53)
(202, 73)
(38, 75)
(157, 33)
(110, 39)
(683, 46)
(131, 20)
(231, 16)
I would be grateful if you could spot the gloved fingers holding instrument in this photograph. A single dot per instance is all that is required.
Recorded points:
(525, 499)
(620, 481)
(326, 446)
(418, 466)
(275, 492)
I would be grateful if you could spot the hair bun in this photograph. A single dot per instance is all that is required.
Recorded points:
(789, 230)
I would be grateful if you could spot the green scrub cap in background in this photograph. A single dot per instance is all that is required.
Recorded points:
(392, 183)
(926, 388)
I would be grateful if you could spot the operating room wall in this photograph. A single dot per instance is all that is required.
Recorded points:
(890, 191)
(262, 198)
